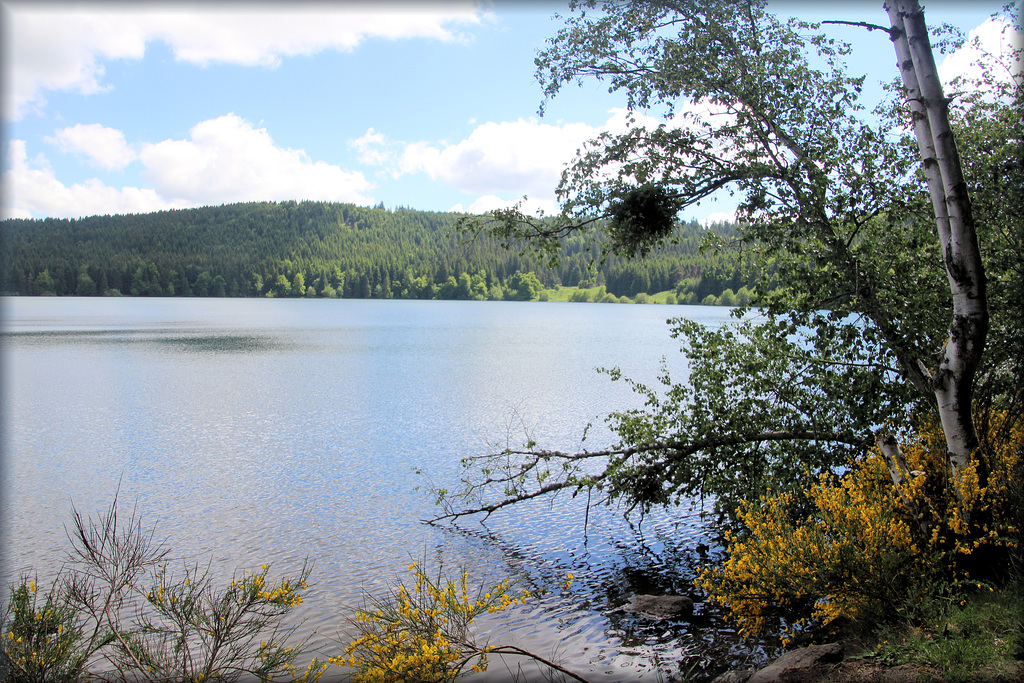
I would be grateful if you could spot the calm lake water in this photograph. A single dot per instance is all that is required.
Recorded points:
(251, 431)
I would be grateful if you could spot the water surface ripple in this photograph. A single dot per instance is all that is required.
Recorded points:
(251, 431)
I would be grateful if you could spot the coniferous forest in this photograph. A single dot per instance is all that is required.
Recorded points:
(321, 249)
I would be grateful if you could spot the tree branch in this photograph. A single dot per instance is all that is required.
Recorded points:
(871, 27)
(520, 652)
(673, 451)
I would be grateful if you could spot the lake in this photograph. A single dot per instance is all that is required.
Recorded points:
(252, 431)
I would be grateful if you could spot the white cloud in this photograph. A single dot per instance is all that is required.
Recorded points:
(105, 147)
(490, 202)
(526, 156)
(224, 160)
(60, 47)
(505, 159)
(263, 35)
(996, 38)
(523, 156)
(227, 160)
(32, 188)
(374, 149)
(520, 157)
(63, 46)
(719, 217)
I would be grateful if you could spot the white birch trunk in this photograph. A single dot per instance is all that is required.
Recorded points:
(952, 378)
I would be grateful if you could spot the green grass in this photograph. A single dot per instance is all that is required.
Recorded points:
(979, 636)
(600, 294)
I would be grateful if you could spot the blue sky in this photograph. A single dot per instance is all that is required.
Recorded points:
(133, 107)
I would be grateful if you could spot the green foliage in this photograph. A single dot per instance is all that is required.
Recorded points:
(298, 287)
(45, 285)
(642, 218)
(523, 287)
(854, 318)
(990, 136)
(580, 295)
(738, 423)
(116, 613)
(42, 635)
(974, 633)
(340, 250)
(86, 285)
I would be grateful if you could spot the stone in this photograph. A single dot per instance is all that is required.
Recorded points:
(735, 676)
(800, 665)
(662, 606)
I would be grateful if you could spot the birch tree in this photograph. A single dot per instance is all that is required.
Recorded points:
(881, 313)
(952, 378)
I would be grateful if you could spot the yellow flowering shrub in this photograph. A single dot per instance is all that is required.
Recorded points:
(422, 632)
(981, 509)
(40, 635)
(848, 556)
(858, 551)
(114, 612)
(189, 630)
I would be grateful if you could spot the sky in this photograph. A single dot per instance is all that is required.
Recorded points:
(132, 107)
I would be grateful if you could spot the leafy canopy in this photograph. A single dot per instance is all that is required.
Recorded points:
(831, 202)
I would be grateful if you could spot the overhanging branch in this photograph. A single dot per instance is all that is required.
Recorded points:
(863, 24)
(672, 450)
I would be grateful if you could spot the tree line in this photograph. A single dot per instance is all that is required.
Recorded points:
(331, 250)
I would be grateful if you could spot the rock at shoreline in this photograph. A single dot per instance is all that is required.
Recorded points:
(662, 606)
(735, 676)
(798, 666)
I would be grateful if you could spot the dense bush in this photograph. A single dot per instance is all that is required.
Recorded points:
(859, 548)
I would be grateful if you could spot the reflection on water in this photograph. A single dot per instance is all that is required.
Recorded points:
(174, 341)
(253, 431)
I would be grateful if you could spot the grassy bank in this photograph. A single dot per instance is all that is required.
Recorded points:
(602, 295)
(976, 634)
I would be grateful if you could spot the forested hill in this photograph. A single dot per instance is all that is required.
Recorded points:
(322, 249)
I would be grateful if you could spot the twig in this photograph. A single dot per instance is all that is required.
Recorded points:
(513, 650)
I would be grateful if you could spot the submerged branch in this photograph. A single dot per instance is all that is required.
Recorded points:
(520, 652)
(670, 451)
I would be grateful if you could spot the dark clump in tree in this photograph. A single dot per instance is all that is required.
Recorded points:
(642, 218)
